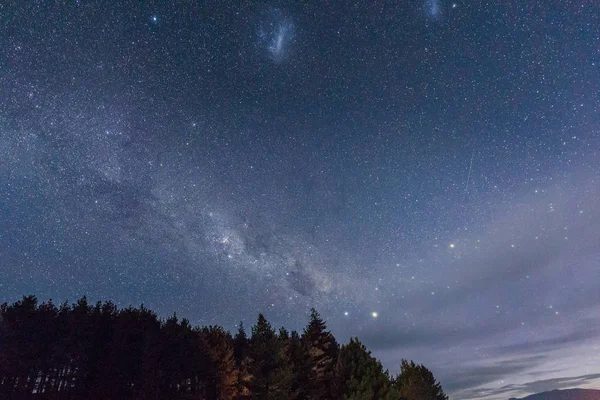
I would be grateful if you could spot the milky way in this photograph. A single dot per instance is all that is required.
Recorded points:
(434, 194)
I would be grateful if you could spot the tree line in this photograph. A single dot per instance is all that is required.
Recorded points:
(100, 352)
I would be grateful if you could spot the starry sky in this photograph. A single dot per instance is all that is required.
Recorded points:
(425, 173)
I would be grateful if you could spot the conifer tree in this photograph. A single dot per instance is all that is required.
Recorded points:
(359, 376)
(223, 374)
(416, 382)
(18, 344)
(98, 352)
(240, 353)
(284, 335)
(322, 349)
(299, 363)
(270, 376)
(240, 343)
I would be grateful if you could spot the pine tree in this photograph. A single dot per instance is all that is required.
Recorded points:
(359, 376)
(130, 331)
(172, 349)
(416, 382)
(100, 375)
(284, 335)
(322, 350)
(299, 362)
(240, 353)
(240, 343)
(270, 375)
(223, 377)
(98, 352)
(18, 345)
(80, 337)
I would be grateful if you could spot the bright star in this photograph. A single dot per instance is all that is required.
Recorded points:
(374, 314)
(346, 313)
(451, 245)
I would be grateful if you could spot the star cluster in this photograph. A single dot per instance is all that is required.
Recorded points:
(425, 174)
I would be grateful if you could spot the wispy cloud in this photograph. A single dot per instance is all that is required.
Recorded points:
(532, 387)
(520, 291)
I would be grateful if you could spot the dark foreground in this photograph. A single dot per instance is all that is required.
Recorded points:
(84, 351)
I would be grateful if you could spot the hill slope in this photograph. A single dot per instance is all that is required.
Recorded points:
(568, 394)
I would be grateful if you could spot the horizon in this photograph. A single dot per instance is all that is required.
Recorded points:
(425, 174)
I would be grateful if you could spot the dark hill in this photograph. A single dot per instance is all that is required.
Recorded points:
(568, 394)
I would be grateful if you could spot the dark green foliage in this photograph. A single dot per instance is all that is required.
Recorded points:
(416, 382)
(321, 349)
(221, 374)
(240, 354)
(300, 364)
(284, 334)
(98, 352)
(359, 376)
(270, 373)
(240, 344)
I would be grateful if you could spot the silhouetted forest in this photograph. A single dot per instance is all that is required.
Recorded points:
(96, 351)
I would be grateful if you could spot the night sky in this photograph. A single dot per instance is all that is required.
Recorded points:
(425, 173)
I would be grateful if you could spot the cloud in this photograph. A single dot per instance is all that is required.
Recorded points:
(579, 333)
(528, 388)
(456, 380)
(519, 288)
(388, 336)
(554, 383)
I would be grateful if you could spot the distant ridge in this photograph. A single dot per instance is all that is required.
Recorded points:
(568, 394)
